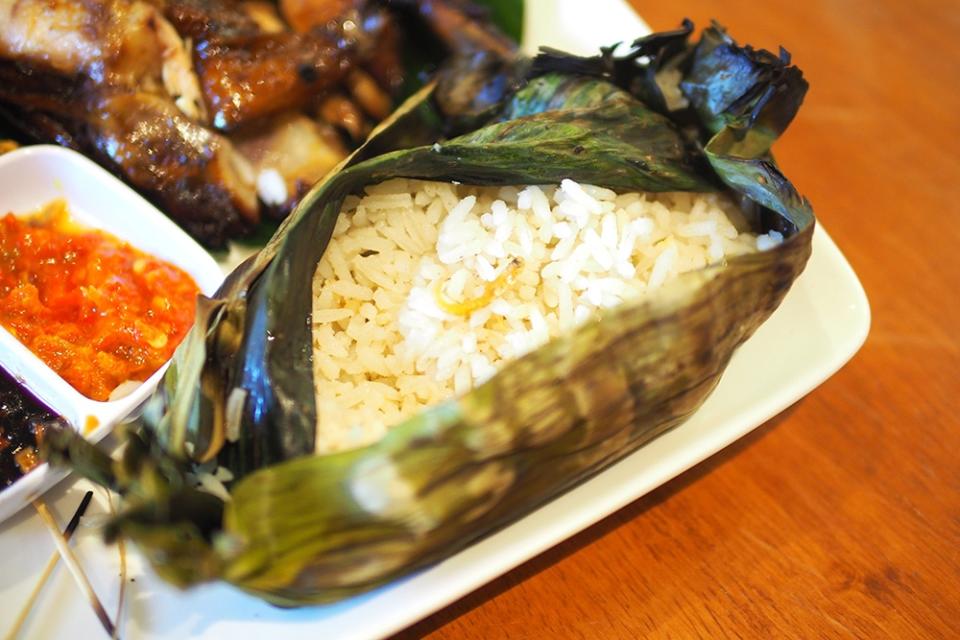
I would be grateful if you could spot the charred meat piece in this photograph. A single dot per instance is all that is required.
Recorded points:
(368, 95)
(371, 33)
(187, 169)
(341, 112)
(365, 27)
(248, 68)
(190, 172)
(383, 60)
(247, 79)
(203, 20)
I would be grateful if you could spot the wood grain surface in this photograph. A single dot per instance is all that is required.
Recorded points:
(840, 518)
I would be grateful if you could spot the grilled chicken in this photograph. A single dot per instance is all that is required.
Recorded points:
(220, 111)
(113, 79)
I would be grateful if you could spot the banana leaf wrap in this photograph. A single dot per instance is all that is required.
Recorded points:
(301, 528)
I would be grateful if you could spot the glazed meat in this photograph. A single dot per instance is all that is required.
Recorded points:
(113, 79)
(248, 79)
(219, 111)
(188, 168)
(248, 68)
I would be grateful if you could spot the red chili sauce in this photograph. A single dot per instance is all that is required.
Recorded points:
(98, 311)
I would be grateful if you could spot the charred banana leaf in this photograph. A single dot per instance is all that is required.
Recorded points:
(300, 528)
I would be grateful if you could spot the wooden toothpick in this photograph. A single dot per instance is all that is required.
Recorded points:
(75, 569)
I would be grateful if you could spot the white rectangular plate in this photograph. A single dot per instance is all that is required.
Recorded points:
(820, 325)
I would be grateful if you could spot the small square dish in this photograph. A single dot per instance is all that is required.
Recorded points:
(30, 178)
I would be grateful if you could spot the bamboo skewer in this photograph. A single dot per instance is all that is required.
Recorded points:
(122, 551)
(47, 570)
(71, 561)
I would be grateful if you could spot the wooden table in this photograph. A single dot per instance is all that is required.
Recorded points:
(841, 517)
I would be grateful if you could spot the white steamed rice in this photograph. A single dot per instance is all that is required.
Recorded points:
(427, 288)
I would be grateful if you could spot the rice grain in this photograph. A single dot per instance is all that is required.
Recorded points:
(513, 267)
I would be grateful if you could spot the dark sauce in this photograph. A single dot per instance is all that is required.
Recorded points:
(22, 420)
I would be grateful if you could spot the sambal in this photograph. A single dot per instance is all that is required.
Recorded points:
(98, 311)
